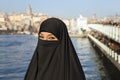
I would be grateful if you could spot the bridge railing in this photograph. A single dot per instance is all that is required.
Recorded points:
(109, 52)
(112, 32)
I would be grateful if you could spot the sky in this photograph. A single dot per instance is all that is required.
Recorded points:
(64, 8)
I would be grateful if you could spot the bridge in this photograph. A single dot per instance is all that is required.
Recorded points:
(107, 39)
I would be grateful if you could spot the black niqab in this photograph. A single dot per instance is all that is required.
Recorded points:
(55, 60)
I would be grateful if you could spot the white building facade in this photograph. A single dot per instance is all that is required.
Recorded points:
(81, 24)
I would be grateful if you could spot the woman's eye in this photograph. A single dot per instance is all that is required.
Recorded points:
(41, 37)
(52, 38)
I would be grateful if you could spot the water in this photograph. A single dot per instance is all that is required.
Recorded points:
(92, 65)
(16, 52)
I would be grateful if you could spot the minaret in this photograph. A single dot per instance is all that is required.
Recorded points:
(29, 10)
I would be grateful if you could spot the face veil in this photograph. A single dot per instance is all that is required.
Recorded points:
(55, 60)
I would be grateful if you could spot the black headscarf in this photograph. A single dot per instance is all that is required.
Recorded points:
(55, 60)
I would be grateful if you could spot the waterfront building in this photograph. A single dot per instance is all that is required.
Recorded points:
(73, 26)
(3, 28)
(29, 10)
(78, 24)
(15, 18)
(81, 24)
(2, 19)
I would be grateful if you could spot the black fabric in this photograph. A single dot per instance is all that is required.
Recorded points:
(55, 60)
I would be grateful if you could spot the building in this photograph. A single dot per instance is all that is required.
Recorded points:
(29, 10)
(81, 24)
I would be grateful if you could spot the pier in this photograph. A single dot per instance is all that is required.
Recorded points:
(106, 38)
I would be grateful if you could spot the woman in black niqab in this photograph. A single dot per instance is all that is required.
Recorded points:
(55, 60)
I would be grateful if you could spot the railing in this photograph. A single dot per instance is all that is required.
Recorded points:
(112, 32)
(109, 52)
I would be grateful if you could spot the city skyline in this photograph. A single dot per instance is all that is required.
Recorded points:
(63, 8)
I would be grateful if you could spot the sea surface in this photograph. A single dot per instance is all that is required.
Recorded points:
(16, 52)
